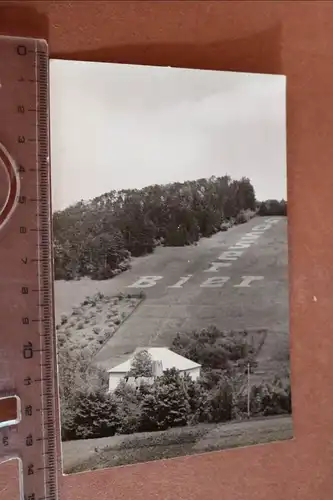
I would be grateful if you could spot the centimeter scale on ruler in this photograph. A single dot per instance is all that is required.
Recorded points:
(28, 349)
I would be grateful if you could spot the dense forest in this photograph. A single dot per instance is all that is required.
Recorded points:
(89, 411)
(97, 238)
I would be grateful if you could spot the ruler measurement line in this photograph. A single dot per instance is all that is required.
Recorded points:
(45, 208)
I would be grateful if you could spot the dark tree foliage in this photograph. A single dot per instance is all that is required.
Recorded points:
(271, 399)
(128, 401)
(212, 348)
(98, 237)
(272, 207)
(142, 365)
(95, 415)
(79, 384)
(198, 400)
(167, 404)
(221, 402)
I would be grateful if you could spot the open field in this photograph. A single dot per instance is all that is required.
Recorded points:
(90, 454)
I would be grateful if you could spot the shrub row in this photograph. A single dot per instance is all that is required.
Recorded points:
(172, 401)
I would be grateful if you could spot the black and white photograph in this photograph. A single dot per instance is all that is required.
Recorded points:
(169, 198)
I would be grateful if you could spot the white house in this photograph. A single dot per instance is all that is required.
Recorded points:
(162, 358)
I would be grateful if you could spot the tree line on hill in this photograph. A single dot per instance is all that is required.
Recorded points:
(172, 399)
(271, 208)
(97, 238)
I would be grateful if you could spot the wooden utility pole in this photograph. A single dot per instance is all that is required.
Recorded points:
(248, 390)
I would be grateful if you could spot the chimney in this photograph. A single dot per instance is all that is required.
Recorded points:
(157, 368)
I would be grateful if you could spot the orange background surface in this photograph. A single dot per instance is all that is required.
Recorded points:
(294, 38)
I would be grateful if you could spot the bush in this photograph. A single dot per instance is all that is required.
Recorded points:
(167, 404)
(76, 376)
(244, 216)
(214, 349)
(221, 402)
(128, 401)
(271, 399)
(95, 415)
(273, 208)
(197, 399)
(241, 218)
(224, 226)
(63, 319)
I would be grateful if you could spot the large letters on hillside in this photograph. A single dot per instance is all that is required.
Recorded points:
(214, 282)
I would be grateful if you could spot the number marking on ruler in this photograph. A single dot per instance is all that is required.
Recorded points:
(29, 408)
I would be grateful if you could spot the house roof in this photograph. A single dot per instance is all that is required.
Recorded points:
(169, 360)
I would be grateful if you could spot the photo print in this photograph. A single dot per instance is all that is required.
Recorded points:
(170, 260)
